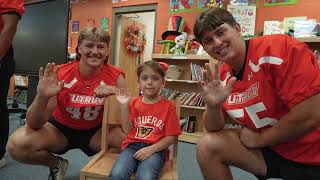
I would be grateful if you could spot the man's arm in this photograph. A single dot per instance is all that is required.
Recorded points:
(213, 120)
(39, 111)
(214, 94)
(301, 119)
(10, 23)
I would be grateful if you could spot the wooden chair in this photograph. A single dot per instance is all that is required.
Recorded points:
(99, 167)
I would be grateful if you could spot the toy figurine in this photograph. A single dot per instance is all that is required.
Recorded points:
(180, 41)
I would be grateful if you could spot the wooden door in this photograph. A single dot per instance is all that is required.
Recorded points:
(127, 62)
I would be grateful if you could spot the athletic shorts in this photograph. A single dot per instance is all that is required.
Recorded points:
(278, 167)
(78, 139)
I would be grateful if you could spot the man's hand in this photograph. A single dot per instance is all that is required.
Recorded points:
(104, 90)
(143, 153)
(48, 85)
(213, 91)
(250, 138)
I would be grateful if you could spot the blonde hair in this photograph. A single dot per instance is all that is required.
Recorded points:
(94, 33)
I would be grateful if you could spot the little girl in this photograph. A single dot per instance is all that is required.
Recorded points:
(151, 125)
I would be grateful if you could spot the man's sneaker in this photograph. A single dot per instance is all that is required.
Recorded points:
(58, 173)
(2, 162)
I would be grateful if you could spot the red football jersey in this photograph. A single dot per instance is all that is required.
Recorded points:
(7, 6)
(151, 122)
(279, 73)
(77, 108)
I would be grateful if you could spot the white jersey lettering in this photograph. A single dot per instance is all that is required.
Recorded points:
(243, 97)
(252, 111)
(90, 112)
(83, 99)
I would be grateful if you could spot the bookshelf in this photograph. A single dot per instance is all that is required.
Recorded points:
(312, 42)
(309, 39)
(187, 85)
(314, 45)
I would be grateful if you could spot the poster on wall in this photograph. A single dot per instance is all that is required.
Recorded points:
(204, 5)
(246, 17)
(75, 26)
(272, 27)
(288, 22)
(104, 23)
(279, 2)
(181, 5)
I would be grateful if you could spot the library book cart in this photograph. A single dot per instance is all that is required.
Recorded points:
(99, 167)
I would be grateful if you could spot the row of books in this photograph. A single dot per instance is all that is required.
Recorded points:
(188, 123)
(196, 72)
(187, 98)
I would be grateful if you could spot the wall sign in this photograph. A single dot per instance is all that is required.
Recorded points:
(246, 17)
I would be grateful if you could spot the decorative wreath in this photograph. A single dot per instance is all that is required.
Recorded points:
(134, 41)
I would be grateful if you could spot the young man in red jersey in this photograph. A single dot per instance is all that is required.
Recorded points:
(65, 114)
(10, 14)
(271, 86)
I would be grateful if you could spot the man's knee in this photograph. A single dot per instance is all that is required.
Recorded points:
(210, 144)
(18, 146)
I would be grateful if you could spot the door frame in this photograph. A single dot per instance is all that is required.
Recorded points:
(124, 10)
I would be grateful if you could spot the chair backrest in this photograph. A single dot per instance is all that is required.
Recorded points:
(112, 117)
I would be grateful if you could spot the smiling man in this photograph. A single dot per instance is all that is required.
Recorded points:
(65, 114)
(271, 86)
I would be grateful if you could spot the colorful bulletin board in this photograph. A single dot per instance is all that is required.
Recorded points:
(181, 6)
(279, 2)
(203, 5)
(246, 17)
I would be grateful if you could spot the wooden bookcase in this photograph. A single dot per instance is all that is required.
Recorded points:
(187, 85)
(312, 42)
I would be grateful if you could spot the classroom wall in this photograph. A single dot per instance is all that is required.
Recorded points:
(95, 9)
(309, 8)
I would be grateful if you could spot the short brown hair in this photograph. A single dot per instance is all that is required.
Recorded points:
(210, 20)
(154, 66)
